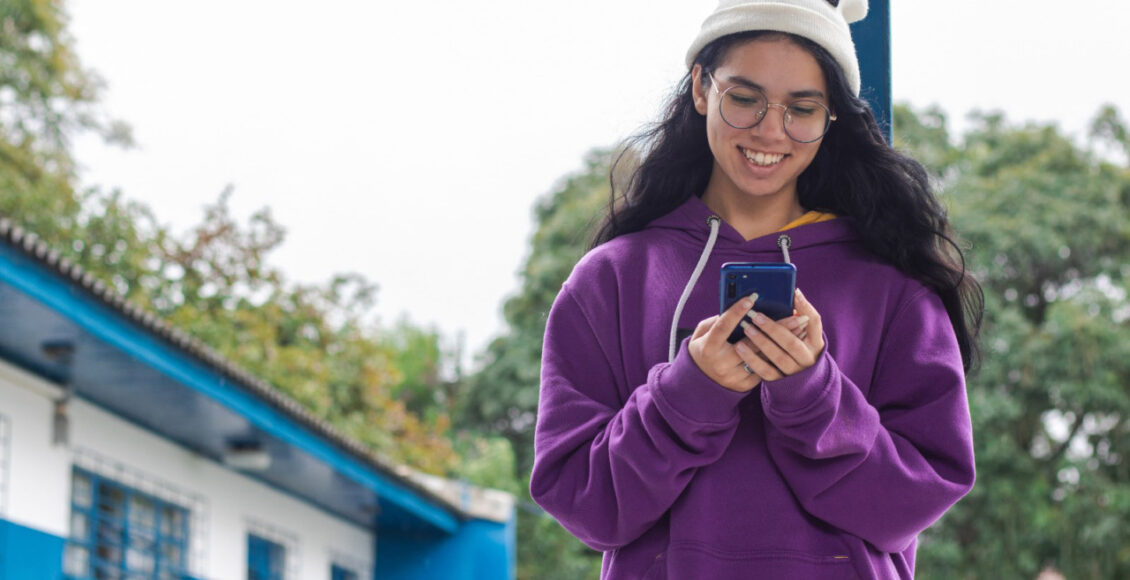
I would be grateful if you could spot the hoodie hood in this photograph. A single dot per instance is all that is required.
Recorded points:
(688, 224)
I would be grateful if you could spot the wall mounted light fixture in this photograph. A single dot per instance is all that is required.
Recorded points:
(246, 455)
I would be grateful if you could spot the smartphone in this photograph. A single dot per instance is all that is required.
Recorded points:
(774, 282)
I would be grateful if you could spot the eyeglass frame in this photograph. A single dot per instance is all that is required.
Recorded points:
(768, 105)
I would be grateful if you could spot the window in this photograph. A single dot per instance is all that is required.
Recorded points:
(342, 573)
(119, 532)
(266, 560)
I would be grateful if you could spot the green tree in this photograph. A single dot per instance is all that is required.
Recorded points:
(1048, 221)
(46, 98)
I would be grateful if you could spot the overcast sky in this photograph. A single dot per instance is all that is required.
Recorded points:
(400, 138)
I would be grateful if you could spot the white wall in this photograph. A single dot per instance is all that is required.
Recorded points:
(39, 475)
(225, 505)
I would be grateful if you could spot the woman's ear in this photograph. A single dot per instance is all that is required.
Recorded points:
(697, 91)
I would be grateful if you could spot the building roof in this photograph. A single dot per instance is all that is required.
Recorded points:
(228, 373)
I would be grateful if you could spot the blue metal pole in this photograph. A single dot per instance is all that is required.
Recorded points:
(872, 37)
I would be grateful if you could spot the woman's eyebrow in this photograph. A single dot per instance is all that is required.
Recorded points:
(808, 93)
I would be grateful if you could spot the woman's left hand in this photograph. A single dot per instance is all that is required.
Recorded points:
(782, 352)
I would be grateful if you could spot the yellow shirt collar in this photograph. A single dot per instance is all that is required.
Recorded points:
(812, 217)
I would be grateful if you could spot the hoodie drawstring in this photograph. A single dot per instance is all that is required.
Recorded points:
(714, 222)
(784, 242)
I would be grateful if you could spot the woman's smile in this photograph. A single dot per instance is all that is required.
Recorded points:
(761, 158)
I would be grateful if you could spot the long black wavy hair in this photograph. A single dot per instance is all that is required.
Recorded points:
(855, 173)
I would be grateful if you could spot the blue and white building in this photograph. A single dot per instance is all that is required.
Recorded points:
(129, 450)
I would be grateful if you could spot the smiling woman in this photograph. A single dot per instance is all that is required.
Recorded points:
(818, 445)
(756, 164)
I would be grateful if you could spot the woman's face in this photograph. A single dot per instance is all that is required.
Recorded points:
(762, 161)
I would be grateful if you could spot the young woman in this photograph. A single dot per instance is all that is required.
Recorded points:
(820, 445)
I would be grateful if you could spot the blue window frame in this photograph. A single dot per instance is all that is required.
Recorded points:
(119, 532)
(341, 573)
(265, 559)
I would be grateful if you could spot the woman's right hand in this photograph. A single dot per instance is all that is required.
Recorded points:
(723, 362)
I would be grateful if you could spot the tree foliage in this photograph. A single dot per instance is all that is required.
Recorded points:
(314, 342)
(45, 98)
(1048, 220)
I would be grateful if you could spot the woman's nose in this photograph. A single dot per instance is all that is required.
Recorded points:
(772, 125)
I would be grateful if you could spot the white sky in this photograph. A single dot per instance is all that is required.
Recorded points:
(398, 139)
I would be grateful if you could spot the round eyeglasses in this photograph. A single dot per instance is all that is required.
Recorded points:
(743, 107)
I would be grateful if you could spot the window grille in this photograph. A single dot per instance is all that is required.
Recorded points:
(124, 475)
(120, 532)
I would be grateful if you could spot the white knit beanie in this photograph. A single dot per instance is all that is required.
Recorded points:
(824, 22)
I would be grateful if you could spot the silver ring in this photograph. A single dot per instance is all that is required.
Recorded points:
(746, 367)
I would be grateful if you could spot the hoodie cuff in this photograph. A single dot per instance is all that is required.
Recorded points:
(796, 393)
(683, 388)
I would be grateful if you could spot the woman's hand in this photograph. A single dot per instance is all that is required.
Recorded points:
(781, 350)
(716, 357)
(732, 365)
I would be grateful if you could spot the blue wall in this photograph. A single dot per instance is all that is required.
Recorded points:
(480, 550)
(27, 554)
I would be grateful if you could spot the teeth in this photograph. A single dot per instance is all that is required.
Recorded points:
(763, 159)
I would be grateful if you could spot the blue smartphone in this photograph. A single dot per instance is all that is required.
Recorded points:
(774, 282)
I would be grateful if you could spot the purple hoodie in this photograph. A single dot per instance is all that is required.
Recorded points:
(829, 473)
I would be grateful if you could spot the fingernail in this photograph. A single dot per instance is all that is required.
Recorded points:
(749, 329)
(754, 297)
(759, 318)
(801, 321)
(747, 304)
